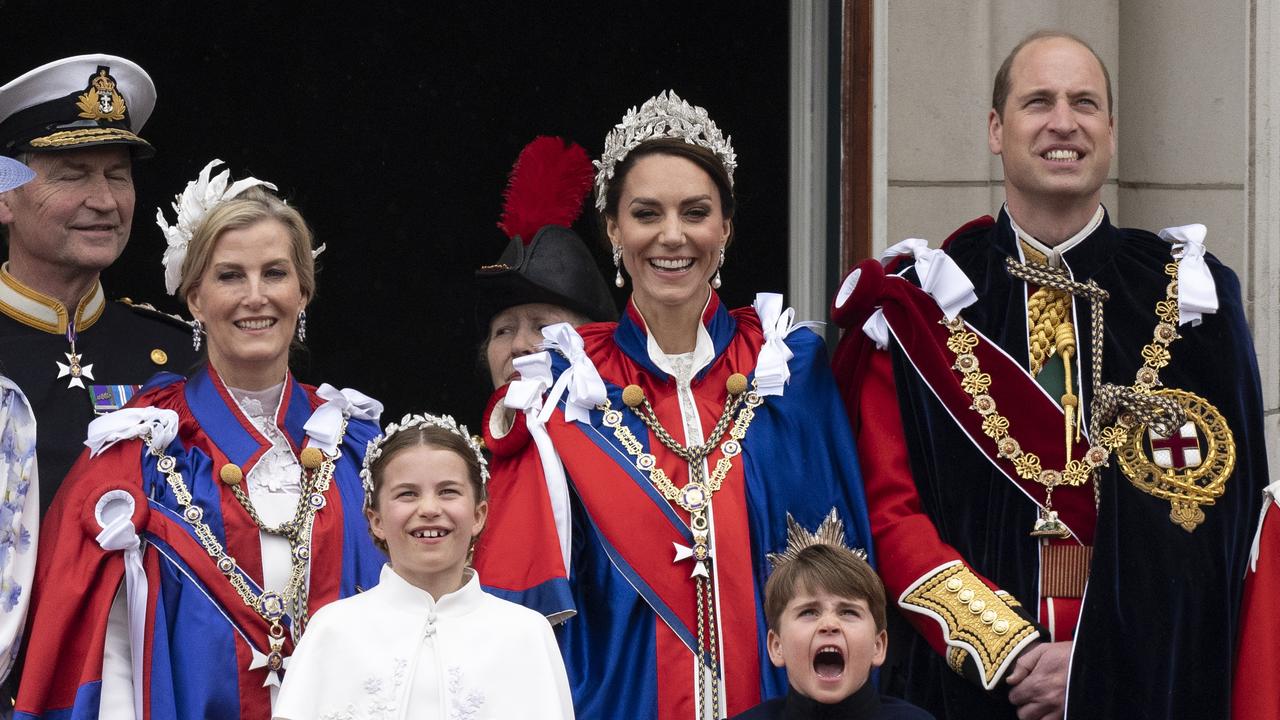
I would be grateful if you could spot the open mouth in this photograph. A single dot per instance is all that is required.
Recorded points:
(255, 323)
(828, 662)
(429, 534)
(671, 264)
(1061, 155)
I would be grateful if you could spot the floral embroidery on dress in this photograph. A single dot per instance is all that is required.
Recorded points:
(17, 457)
(17, 545)
(464, 704)
(380, 697)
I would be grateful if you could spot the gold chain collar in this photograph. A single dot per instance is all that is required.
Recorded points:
(318, 475)
(695, 497)
(1027, 464)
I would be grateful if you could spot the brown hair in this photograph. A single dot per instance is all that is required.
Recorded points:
(696, 154)
(417, 436)
(828, 569)
(248, 208)
(1000, 89)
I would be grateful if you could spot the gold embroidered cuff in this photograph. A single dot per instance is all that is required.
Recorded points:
(976, 621)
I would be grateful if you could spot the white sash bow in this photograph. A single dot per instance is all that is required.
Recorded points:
(114, 513)
(581, 379)
(525, 395)
(325, 426)
(772, 372)
(939, 276)
(159, 426)
(1197, 293)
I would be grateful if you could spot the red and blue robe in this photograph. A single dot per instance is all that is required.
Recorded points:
(627, 646)
(200, 635)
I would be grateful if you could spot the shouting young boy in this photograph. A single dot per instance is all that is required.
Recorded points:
(826, 612)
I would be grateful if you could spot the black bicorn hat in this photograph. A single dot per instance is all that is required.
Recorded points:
(77, 102)
(545, 261)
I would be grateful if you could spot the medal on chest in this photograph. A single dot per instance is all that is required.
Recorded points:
(75, 368)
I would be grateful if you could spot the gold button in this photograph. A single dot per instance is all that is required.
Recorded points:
(311, 458)
(977, 606)
(988, 617)
(966, 595)
(231, 474)
(1001, 627)
(736, 384)
(954, 584)
(159, 357)
(632, 396)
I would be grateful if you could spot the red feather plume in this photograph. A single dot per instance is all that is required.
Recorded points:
(547, 185)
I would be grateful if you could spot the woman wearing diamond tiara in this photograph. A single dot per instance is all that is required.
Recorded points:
(185, 552)
(427, 642)
(663, 453)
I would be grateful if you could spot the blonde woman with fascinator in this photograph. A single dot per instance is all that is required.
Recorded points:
(187, 549)
(657, 458)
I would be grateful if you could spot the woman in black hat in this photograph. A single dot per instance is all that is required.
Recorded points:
(659, 458)
(546, 275)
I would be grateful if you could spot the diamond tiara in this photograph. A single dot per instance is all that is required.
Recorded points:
(664, 116)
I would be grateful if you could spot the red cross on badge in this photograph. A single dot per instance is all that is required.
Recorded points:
(1178, 451)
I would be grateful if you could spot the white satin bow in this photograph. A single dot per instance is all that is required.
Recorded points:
(939, 276)
(114, 513)
(581, 379)
(525, 395)
(325, 426)
(772, 373)
(159, 426)
(1197, 293)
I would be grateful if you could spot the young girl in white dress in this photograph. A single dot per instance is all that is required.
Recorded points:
(426, 642)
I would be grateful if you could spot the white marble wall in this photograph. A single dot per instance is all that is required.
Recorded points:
(1196, 113)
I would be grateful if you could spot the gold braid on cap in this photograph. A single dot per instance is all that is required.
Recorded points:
(664, 116)
(830, 532)
(373, 450)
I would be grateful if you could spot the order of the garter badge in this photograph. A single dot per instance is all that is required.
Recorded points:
(1189, 467)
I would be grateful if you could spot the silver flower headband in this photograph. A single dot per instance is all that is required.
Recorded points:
(664, 116)
(829, 532)
(190, 206)
(374, 449)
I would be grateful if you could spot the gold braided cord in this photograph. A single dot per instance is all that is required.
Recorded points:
(1047, 308)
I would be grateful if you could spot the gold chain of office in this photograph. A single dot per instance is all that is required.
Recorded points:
(1116, 409)
(318, 472)
(695, 497)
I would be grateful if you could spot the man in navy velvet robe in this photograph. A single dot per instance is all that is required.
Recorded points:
(1062, 545)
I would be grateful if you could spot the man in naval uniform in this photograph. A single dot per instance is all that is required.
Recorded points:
(1059, 426)
(72, 350)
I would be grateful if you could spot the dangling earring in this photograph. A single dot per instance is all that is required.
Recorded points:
(715, 279)
(617, 263)
(197, 330)
(302, 326)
